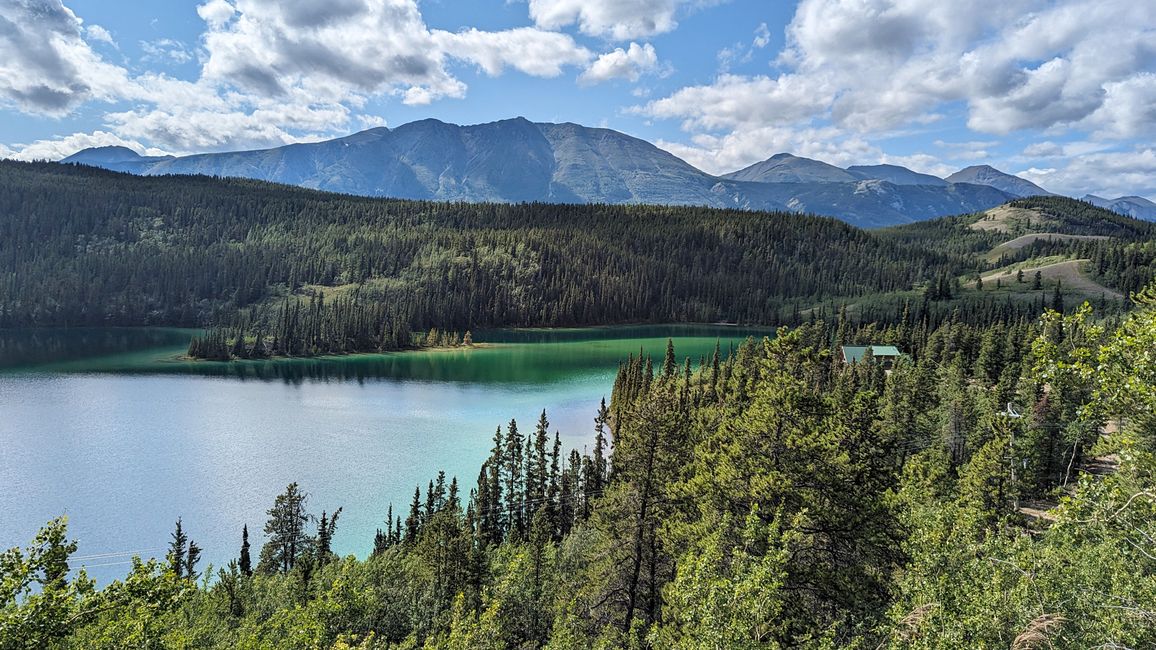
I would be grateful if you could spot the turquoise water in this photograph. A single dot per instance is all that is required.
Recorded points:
(108, 428)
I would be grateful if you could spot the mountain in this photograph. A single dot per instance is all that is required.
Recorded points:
(992, 177)
(877, 203)
(1132, 206)
(121, 159)
(894, 174)
(517, 160)
(786, 168)
(507, 161)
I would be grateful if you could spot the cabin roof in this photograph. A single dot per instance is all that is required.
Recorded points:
(854, 353)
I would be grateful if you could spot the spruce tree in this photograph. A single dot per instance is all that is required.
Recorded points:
(285, 530)
(192, 557)
(413, 521)
(669, 363)
(176, 554)
(515, 523)
(246, 563)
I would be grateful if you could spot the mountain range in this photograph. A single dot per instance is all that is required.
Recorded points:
(1132, 206)
(517, 160)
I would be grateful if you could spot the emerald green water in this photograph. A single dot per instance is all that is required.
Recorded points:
(112, 429)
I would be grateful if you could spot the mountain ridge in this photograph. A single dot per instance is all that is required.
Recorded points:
(516, 160)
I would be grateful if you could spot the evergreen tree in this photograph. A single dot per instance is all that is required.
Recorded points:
(192, 557)
(245, 564)
(286, 540)
(414, 520)
(325, 530)
(669, 363)
(177, 548)
(515, 522)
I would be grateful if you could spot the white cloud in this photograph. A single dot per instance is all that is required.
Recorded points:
(333, 50)
(720, 154)
(734, 101)
(869, 67)
(532, 51)
(629, 64)
(46, 66)
(272, 72)
(99, 34)
(762, 36)
(166, 50)
(1109, 174)
(1045, 149)
(216, 13)
(620, 20)
(920, 162)
(56, 149)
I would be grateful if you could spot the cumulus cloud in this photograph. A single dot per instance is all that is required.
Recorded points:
(98, 34)
(720, 154)
(333, 49)
(46, 66)
(532, 51)
(1045, 149)
(620, 20)
(735, 101)
(272, 71)
(629, 64)
(56, 149)
(1109, 174)
(871, 67)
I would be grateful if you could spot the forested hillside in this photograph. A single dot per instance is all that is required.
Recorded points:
(85, 246)
(994, 489)
(333, 273)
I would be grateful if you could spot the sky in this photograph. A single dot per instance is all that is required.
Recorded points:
(1061, 92)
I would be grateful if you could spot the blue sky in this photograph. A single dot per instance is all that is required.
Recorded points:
(1062, 92)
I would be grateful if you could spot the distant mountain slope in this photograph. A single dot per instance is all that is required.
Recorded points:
(1133, 206)
(875, 203)
(507, 161)
(992, 177)
(787, 168)
(894, 174)
(517, 160)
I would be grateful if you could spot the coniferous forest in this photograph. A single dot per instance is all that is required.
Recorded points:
(992, 487)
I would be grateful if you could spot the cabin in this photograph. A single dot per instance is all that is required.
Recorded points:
(887, 355)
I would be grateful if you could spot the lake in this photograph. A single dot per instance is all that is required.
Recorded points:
(108, 427)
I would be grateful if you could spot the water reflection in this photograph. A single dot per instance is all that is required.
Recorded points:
(503, 356)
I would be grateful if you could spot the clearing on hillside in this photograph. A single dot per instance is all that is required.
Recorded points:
(1007, 218)
(1067, 272)
(1027, 240)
